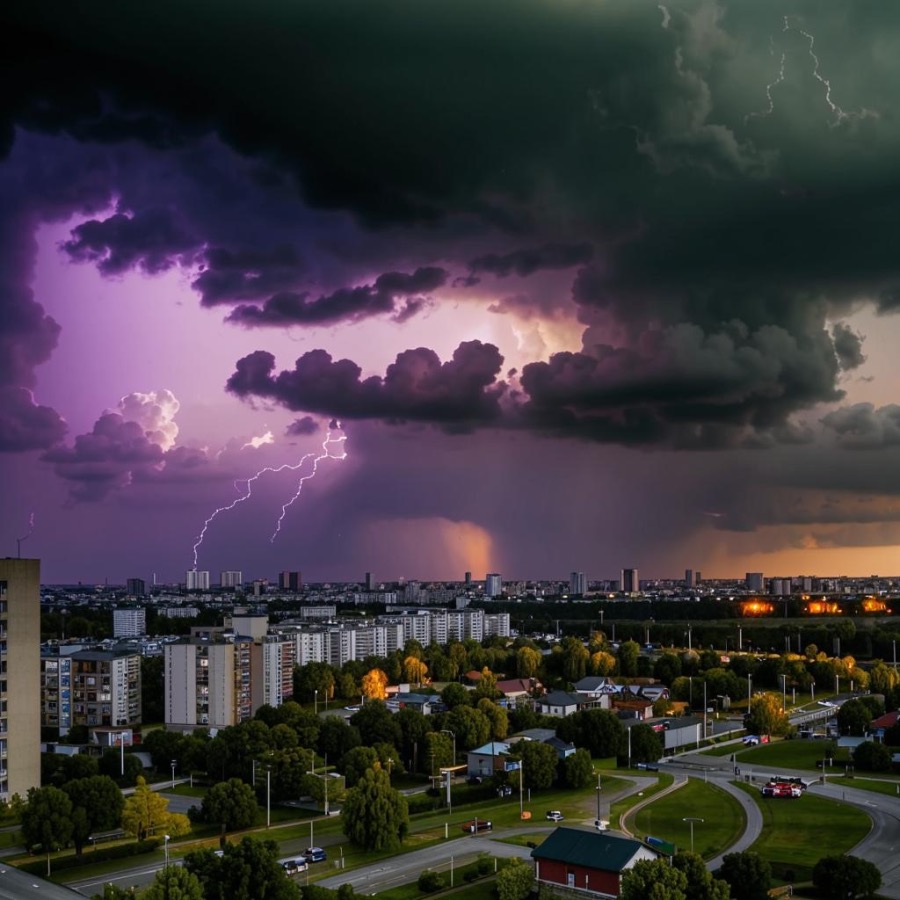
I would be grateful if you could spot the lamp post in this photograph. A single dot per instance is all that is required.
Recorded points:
(166, 840)
(268, 796)
(316, 701)
(450, 774)
(120, 736)
(749, 690)
(598, 799)
(783, 693)
(174, 763)
(691, 820)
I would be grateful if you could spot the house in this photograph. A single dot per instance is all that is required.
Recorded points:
(637, 707)
(489, 759)
(519, 689)
(597, 689)
(560, 703)
(877, 727)
(588, 861)
(423, 703)
(544, 736)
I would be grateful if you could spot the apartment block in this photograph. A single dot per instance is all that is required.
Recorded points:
(129, 622)
(20, 673)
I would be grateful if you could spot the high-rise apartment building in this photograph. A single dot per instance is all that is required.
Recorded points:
(577, 583)
(231, 580)
(20, 675)
(196, 581)
(493, 584)
(370, 582)
(207, 682)
(290, 581)
(755, 582)
(136, 587)
(106, 688)
(688, 578)
(630, 581)
(129, 622)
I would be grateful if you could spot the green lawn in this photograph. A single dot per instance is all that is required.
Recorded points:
(875, 784)
(798, 833)
(790, 755)
(724, 750)
(620, 808)
(723, 818)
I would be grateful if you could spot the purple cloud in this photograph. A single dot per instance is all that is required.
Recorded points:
(526, 262)
(346, 304)
(458, 394)
(300, 427)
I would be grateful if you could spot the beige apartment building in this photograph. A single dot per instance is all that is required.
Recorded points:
(20, 672)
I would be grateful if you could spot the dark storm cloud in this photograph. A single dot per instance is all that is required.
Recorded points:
(865, 427)
(25, 424)
(458, 394)
(527, 262)
(347, 304)
(152, 240)
(847, 346)
(105, 459)
(302, 426)
(230, 275)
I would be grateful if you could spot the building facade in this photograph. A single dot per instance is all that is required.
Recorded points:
(20, 674)
(231, 580)
(196, 581)
(129, 622)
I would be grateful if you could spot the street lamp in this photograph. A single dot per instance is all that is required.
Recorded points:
(268, 796)
(174, 763)
(749, 690)
(783, 693)
(166, 848)
(598, 799)
(316, 701)
(691, 820)
(449, 773)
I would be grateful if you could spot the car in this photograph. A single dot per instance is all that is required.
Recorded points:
(475, 825)
(315, 854)
(554, 815)
(751, 740)
(353, 708)
(293, 866)
(504, 790)
(473, 779)
(601, 824)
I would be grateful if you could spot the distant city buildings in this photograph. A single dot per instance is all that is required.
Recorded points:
(577, 583)
(196, 581)
(290, 581)
(20, 694)
(370, 582)
(231, 580)
(493, 585)
(136, 587)
(129, 622)
(755, 583)
(630, 583)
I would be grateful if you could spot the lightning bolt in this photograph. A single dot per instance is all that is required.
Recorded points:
(292, 467)
(25, 536)
(840, 115)
(326, 453)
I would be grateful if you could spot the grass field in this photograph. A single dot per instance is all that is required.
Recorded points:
(620, 808)
(876, 785)
(791, 755)
(723, 818)
(798, 833)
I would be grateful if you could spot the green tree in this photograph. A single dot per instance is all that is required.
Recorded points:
(767, 716)
(246, 871)
(336, 737)
(853, 718)
(113, 892)
(700, 882)
(376, 724)
(872, 757)
(654, 880)
(454, 694)
(748, 874)
(497, 716)
(539, 761)
(314, 676)
(575, 659)
(599, 731)
(471, 727)
(102, 802)
(374, 815)
(230, 803)
(528, 662)
(438, 751)
(514, 880)
(577, 769)
(627, 656)
(174, 883)
(645, 745)
(112, 762)
(47, 819)
(842, 877)
(356, 761)
(667, 668)
(413, 728)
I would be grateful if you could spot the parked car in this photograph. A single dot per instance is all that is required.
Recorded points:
(751, 740)
(315, 854)
(293, 866)
(474, 825)
(473, 779)
(555, 815)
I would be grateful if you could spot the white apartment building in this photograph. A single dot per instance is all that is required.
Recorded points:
(196, 581)
(493, 584)
(231, 580)
(129, 622)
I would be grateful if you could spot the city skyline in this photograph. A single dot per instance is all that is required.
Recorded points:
(535, 288)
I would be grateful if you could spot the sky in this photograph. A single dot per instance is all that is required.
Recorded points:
(426, 288)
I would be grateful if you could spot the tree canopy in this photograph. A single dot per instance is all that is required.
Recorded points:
(374, 815)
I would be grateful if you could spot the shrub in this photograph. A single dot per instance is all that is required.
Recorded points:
(430, 881)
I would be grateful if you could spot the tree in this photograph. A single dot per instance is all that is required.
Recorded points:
(375, 816)
(102, 802)
(840, 877)
(456, 695)
(374, 684)
(575, 659)
(497, 716)
(539, 761)
(487, 685)
(599, 731)
(471, 726)
(246, 871)
(628, 656)
(414, 670)
(312, 677)
(514, 881)
(645, 744)
(113, 892)
(528, 662)
(230, 803)
(766, 715)
(872, 757)
(112, 763)
(146, 812)
(376, 724)
(356, 761)
(47, 819)
(667, 668)
(577, 769)
(413, 726)
(654, 880)
(603, 663)
(174, 883)
(853, 718)
(336, 737)
(438, 751)
(700, 883)
(748, 874)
